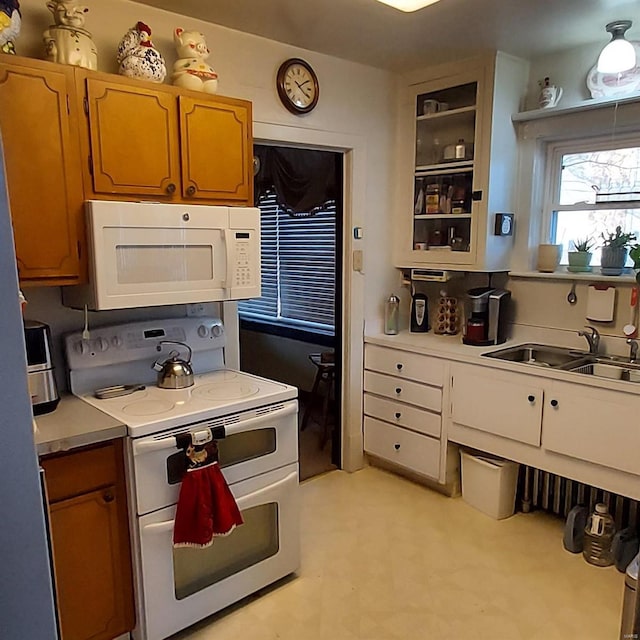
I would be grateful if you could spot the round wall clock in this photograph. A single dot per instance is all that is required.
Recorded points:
(297, 86)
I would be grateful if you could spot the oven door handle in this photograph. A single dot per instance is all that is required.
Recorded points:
(167, 525)
(169, 442)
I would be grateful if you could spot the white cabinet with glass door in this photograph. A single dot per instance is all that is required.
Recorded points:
(457, 161)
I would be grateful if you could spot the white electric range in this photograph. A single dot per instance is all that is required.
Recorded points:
(254, 421)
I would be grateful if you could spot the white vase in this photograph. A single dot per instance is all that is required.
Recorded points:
(548, 257)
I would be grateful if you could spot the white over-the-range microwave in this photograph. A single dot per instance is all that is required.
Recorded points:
(148, 254)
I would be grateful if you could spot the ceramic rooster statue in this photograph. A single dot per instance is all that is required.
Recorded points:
(10, 21)
(137, 56)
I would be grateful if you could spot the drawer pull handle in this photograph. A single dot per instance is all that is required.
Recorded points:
(191, 190)
(108, 497)
(399, 366)
(171, 188)
(531, 399)
(554, 403)
(398, 415)
(396, 446)
(398, 390)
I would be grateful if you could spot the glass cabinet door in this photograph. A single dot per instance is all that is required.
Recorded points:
(444, 167)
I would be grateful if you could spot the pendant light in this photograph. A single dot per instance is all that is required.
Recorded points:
(408, 5)
(619, 55)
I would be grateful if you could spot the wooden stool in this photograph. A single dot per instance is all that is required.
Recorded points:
(325, 375)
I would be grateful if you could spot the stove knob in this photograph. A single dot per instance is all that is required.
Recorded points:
(203, 331)
(216, 330)
(82, 347)
(102, 344)
(116, 341)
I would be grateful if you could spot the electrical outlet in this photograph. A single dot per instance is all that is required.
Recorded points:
(196, 309)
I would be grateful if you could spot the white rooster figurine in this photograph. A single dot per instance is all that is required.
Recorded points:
(10, 22)
(137, 56)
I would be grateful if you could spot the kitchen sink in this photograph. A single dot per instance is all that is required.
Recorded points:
(540, 355)
(606, 367)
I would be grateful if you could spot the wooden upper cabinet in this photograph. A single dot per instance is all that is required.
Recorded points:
(159, 142)
(39, 127)
(216, 150)
(134, 140)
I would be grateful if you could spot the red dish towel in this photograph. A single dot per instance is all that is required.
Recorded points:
(206, 507)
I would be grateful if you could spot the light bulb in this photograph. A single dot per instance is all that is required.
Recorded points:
(408, 5)
(620, 54)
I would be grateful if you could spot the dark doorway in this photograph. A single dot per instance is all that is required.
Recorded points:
(292, 333)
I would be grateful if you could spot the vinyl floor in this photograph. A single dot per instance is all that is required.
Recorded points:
(384, 558)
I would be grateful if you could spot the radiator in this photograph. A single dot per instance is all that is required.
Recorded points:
(554, 494)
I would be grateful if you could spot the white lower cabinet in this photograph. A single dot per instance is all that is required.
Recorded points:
(500, 402)
(596, 425)
(581, 422)
(403, 406)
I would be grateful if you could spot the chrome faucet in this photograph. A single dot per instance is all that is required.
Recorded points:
(633, 349)
(593, 338)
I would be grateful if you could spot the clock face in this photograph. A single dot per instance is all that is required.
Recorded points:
(297, 86)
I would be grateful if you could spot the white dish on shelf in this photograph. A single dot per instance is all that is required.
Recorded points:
(615, 85)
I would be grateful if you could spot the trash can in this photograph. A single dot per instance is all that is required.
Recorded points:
(489, 484)
(629, 600)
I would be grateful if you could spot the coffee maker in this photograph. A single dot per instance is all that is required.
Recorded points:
(42, 384)
(486, 311)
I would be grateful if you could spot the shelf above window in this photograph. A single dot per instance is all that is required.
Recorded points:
(587, 105)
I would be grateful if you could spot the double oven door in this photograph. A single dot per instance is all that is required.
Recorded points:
(258, 457)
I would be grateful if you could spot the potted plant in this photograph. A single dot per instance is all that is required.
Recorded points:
(634, 254)
(580, 257)
(614, 251)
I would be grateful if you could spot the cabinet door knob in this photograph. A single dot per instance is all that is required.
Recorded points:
(171, 188)
(399, 366)
(398, 415)
(531, 399)
(398, 390)
(396, 446)
(191, 190)
(554, 403)
(108, 496)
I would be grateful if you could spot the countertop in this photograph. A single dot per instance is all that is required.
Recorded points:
(452, 348)
(74, 423)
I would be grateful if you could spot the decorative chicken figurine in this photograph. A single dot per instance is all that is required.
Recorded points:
(137, 56)
(10, 21)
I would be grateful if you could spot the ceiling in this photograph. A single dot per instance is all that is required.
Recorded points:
(373, 33)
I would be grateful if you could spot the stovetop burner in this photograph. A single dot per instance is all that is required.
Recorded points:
(213, 394)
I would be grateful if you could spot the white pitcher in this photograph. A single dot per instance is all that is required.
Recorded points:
(549, 95)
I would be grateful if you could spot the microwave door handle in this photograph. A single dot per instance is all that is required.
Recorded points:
(230, 253)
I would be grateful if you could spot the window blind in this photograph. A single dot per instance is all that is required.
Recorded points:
(298, 267)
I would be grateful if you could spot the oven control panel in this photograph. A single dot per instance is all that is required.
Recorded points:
(120, 344)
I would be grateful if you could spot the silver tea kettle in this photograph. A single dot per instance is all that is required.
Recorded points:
(174, 373)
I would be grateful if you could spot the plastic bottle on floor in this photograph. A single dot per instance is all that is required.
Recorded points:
(598, 537)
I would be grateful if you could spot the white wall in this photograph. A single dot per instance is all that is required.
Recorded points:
(354, 114)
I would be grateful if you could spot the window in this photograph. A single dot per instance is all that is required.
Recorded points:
(298, 269)
(594, 186)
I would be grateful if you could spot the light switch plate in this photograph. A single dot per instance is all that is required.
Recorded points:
(357, 260)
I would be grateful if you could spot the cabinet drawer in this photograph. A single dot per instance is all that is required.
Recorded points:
(402, 364)
(403, 390)
(402, 415)
(71, 474)
(405, 448)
